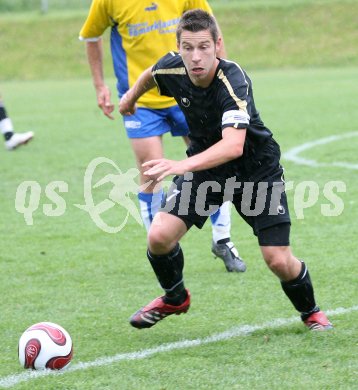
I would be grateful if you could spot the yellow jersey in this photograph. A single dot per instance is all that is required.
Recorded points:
(142, 31)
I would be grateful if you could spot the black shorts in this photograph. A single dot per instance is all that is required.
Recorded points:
(195, 196)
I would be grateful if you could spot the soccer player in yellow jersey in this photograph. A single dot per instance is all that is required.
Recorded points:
(142, 31)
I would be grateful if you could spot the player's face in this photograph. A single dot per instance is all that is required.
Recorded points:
(198, 51)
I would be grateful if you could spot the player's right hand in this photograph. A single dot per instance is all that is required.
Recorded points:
(104, 101)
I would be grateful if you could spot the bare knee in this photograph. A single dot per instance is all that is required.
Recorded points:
(274, 260)
(148, 184)
(146, 149)
(159, 241)
(165, 232)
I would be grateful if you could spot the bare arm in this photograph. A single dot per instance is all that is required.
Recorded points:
(144, 83)
(95, 60)
(228, 148)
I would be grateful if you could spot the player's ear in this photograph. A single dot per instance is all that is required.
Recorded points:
(219, 44)
(178, 45)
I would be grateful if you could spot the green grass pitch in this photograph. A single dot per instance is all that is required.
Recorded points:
(65, 269)
(241, 332)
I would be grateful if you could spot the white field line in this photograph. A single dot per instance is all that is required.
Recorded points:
(293, 154)
(13, 380)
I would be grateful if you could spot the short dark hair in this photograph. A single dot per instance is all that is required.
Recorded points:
(197, 20)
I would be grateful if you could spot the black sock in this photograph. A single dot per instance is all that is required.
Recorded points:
(3, 115)
(224, 240)
(176, 296)
(169, 271)
(300, 292)
(8, 135)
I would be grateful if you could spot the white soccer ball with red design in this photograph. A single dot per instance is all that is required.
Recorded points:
(45, 345)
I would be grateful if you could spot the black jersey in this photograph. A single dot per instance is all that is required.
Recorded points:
(227, 102)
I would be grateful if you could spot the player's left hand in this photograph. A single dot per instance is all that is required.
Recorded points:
(126, 107)
(161, 168)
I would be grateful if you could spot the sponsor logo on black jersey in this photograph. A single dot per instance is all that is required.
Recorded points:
(280, 209)
(185, 102)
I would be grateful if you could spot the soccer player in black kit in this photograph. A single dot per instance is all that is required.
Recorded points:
(232, 156)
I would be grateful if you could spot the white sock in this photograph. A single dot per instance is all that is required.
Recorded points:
(221, 222)
(149, 206)
(6, 126)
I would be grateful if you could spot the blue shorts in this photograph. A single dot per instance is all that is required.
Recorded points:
(147, 122)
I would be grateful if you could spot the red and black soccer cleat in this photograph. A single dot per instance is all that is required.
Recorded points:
(156, 311)
(318, 321)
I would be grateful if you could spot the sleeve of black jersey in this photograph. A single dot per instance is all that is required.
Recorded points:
(234, 97)
(158, 72)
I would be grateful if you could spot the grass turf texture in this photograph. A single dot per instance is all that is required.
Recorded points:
(257, 34)
(64, 269)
